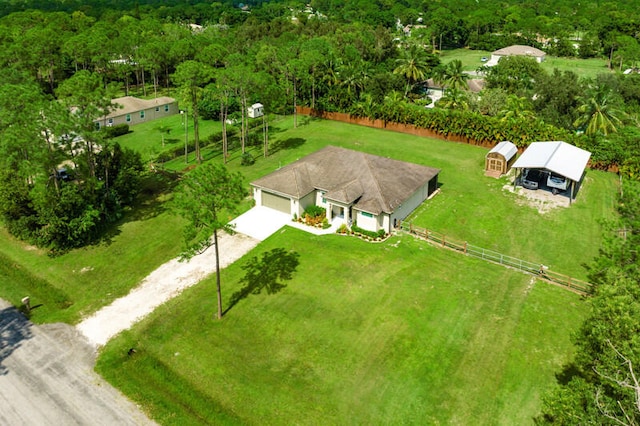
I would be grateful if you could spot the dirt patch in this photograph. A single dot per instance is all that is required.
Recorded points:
(540, 199)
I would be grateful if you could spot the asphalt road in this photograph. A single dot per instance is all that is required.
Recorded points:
(47, 378)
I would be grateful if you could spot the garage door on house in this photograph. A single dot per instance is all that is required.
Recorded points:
(276, 202)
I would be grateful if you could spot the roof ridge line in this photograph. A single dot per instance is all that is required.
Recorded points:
(375, 180)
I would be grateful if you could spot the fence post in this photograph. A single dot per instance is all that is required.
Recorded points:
(569, 282)
(465, 247)
(443, 242)
(411, 227)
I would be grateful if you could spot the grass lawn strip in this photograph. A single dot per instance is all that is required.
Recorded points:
(365, 333)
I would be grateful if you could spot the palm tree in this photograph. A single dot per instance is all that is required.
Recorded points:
(454, 99)
(413, 65)
(456, 77)
(597, 114)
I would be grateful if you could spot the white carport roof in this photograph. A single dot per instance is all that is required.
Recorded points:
(558, 157)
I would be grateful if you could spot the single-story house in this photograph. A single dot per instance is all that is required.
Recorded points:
(436, 90)
(500, 159)
(516, 50)
(130, 110)
(374, 192)
(562, 164)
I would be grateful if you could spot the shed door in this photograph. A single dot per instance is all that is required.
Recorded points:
(495, 164)
(276, 202)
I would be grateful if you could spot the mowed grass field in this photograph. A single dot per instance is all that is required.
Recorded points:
(398, 332)
(584, 68)
(470, 207)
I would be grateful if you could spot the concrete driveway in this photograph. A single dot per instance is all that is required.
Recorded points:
(47, 378)
(260, 222)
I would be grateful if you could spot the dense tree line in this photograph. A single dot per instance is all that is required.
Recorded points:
(602, 385)
(63, 182)
(67, 62)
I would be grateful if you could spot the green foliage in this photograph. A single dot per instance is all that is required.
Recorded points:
(371, 234)
(59, 214)
(247, 159)
(515, 74)
(203, 198)
(315, 211)
(314, 215)
(115, 131)
(602, 387)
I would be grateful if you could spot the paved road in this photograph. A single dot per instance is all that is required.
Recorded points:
(47, 378)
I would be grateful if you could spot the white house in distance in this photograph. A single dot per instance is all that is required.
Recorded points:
(130, 110)
(375, 192)
(516, 50)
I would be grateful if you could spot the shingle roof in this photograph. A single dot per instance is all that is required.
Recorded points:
(517, 49)
(376, 184)
(131, 104)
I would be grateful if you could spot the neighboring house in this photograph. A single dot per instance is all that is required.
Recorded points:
(516, 50)
(375, 192)
(131, 111)
(436, 91)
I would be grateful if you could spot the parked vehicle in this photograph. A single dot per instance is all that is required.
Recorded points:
(557, 183)
(531, 178)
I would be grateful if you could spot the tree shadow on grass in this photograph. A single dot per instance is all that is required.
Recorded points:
(266, 273)
(14, 328)
(290, 143)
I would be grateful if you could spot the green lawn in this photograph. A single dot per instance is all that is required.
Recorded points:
(470, 207)
(79, 282)
(584, 68)
(399, 332)
(393, 333)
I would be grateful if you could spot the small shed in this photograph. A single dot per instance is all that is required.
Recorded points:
(500, 159)
(255, 111)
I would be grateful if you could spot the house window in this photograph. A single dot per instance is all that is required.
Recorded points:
(141, 114)
(110, 122)
(97, 123)
(324, 200)
(365, 214)
(157, 109)
(166, 108)
(128, 118)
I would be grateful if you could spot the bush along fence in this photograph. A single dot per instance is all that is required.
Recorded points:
(542, 272)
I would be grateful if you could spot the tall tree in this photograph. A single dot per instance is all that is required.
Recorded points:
(203, 198)
(602, 385)
(413, 65)
(192, 76)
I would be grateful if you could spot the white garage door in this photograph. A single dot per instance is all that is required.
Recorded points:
(276, 202)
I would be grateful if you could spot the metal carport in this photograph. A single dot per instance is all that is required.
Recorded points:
(557, 157)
